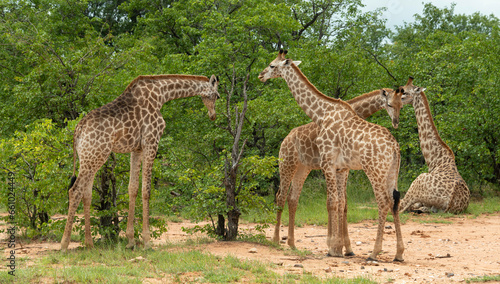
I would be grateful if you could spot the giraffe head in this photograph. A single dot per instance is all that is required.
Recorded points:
(393, 104)
(409, 91)
(209, 94)
(277, 66)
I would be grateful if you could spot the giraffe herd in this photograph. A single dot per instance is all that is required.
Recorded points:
(337, 140)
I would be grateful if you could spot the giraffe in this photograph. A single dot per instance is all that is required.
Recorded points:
(132, 123)
(299, 154)
(346, 141)
(442, 188)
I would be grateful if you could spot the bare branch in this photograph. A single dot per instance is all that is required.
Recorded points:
(380, 63)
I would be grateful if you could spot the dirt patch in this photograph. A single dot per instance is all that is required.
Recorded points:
(434, 252)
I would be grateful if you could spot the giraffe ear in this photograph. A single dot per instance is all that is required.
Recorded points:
(384, 93)
(213, 80)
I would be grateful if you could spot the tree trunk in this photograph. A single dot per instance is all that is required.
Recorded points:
(221, 226)
(232, 163)
(107, 201)
(234, 213)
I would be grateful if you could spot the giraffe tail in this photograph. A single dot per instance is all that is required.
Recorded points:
(75, 138)
(397, 197)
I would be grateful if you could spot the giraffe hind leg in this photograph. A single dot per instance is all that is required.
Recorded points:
(81, 186)
(293, 200)
(133, 187)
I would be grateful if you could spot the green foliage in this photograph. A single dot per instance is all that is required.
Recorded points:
(487, 278)
(455, 58)
(38, 159)
(56, 62)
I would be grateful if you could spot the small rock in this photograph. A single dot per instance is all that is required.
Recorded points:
(450, 274)
(388, 227)
(253, 250)
(284, 237)
(328, 270)
(283, 241)
(139, 258)
(362, 267)
(299, 265)
(358, 243)
(345, 262)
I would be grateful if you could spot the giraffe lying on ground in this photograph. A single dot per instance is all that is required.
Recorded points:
(299, 154)
(132, 123)
(346, 141)
(442, 188)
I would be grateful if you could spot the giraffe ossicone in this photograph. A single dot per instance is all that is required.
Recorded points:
(346, 141)
(132, 123)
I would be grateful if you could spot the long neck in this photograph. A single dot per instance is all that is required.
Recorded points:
(367, 104)
(435, 151)
(315, 104)
(162, 88)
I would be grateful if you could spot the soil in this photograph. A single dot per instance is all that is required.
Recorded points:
(458, 249)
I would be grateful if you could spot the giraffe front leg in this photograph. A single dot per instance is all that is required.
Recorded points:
(342, 177)
(335, 231)
(133, 187)
(147, 166)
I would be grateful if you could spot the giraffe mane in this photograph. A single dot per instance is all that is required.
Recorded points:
(366, 95)
(173, 76)
(330, 99)
(426, 104)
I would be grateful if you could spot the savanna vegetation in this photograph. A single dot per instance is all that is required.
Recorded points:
(61, 59)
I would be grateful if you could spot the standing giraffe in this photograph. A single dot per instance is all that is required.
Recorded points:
(299, 154)
(442, 187)
(346, 141)
(132, 123)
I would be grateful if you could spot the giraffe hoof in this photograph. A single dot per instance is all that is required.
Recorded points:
(398, 260)
(371, 259)
(350, 254)
(331, 255)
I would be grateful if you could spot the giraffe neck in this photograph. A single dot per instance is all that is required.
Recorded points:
(367, 104)
(159, 89)
(315, 104)
(435, 151)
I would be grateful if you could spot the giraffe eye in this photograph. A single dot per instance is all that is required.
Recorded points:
(271, 66)
(389, 105)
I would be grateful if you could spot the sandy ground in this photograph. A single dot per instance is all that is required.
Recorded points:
(434, 252)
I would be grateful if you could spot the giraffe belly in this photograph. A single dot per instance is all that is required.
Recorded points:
(126, 145)
(351, 162)
(126, 141)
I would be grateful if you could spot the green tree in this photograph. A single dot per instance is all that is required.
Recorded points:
(38, 159)
(56, 61)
